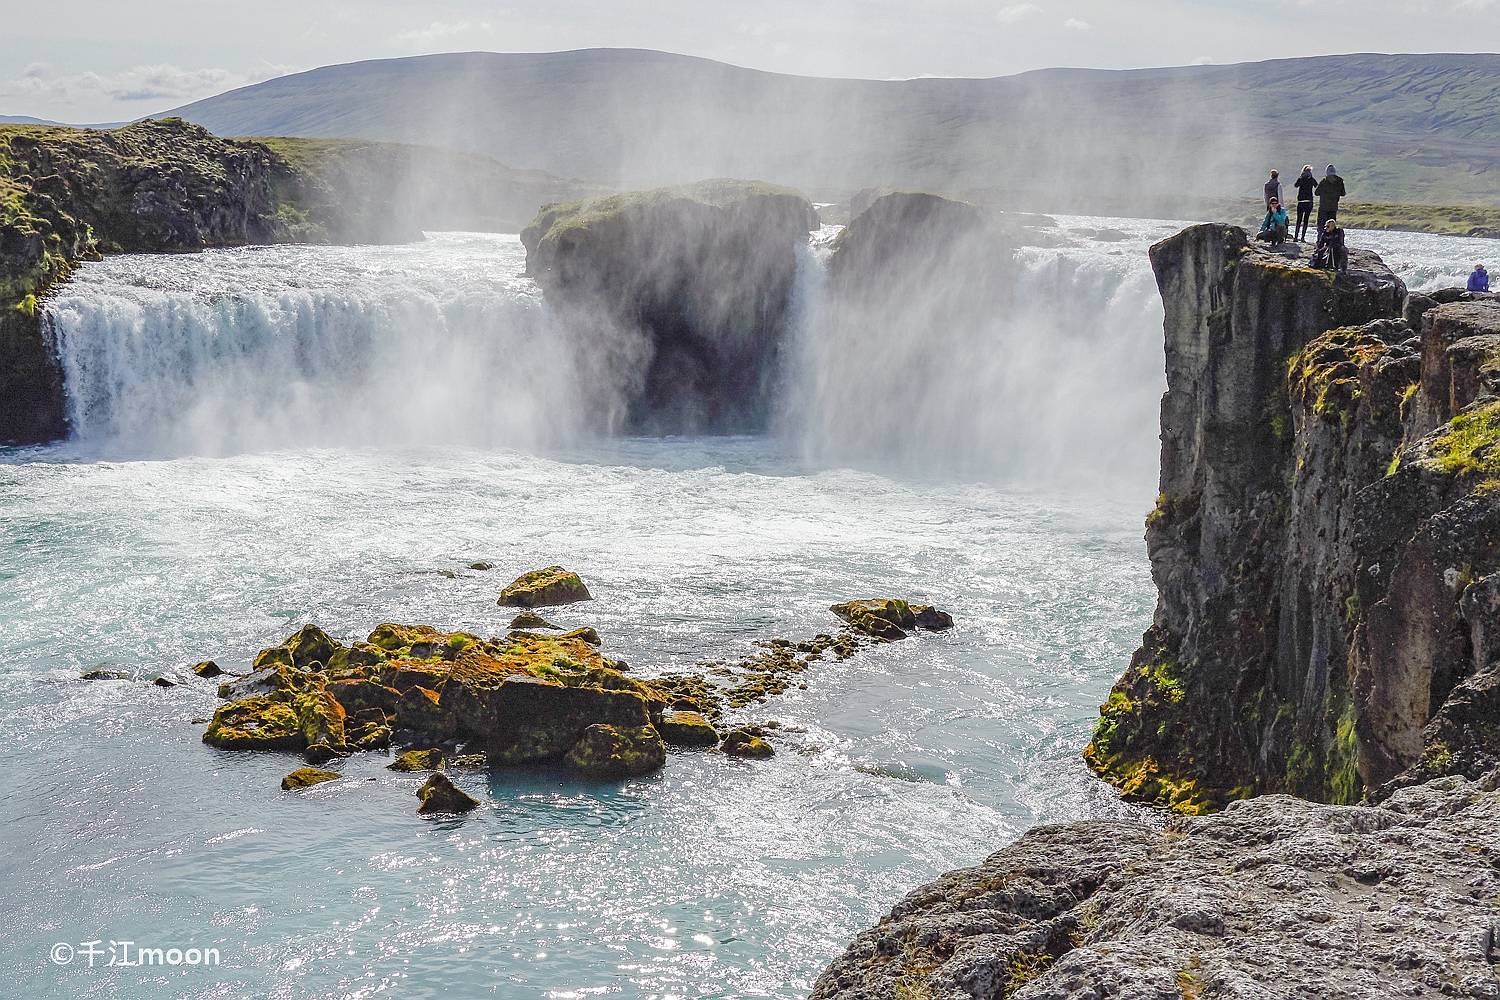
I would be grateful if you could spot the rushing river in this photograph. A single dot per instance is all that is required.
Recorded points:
(272, 436)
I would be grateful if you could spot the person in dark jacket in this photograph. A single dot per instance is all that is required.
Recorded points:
(1273, 227)
(1479, 280)
(1306, 185)
(1330, 189)
(1332, 251)
(1273, 188)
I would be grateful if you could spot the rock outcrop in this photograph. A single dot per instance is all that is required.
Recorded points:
(698, 279)
(1272, 898)
(1321, 543)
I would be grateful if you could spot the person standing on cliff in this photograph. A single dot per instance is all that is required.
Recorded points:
(1305, 185)
(1273, 189)
(1330, 189)
(1332, 252)
(1479, 279)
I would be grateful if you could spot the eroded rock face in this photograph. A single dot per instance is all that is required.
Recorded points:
(696, 279)
(1274, 897)
(1312, 532)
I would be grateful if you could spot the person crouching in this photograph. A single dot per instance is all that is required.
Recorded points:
(1273, 228)
(1479, 279)
(1332, 252)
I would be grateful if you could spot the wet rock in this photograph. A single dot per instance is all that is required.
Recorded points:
(885, 619)
(367, 734)
(742, 743)
(430, 759)
(310, 645)
(259, 722)
(530, 620)
(104, 675)
(163, 682)
(585, 634)
(439, 795)
(527, 719)
(422, 713)
(687, 729)
(269, 680)
(481, 566)
(930, 618)
(208, 670)
(545, 588)
(321, 718)
(305, 777)
(611, 752)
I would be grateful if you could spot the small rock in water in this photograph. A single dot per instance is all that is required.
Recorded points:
(481, 566)
(544, 588)
(162, 682)
(209, 669)
(742, 743)
(530, 620)
(930, 618)
(684, 728)
(418, 760)
(439, 795)
(104, 675)
(304, 777)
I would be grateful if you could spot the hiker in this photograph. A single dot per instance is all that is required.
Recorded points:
(1273, 188)
(1479, 280)
(1305, 185)
(1273, 227)
(1332, 252)
(1330, 189)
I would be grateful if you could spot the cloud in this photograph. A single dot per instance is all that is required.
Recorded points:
(439, 34)
(1016, 12)
(1073, 24)
(1203, 61)
(160, 82)
(1475, 6)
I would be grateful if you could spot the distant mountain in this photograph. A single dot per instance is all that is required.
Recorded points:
(1405, 128)
(24, 120)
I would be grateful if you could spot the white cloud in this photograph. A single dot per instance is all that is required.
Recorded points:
(158, 83)
(1016, 12)
(1475, 6)
(440, 33)
(1203, 61)
(1073, 24)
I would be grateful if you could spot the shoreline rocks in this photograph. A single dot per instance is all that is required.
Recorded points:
(1273, 897)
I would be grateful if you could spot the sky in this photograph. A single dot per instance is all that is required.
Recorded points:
(88, 61)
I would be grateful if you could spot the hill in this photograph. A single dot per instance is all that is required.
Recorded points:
(1404, 128)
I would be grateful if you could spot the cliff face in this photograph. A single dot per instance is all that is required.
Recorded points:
(697, 278)
(1272, 898)
(1320, 554)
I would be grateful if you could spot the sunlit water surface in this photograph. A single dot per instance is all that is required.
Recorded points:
(234, 475)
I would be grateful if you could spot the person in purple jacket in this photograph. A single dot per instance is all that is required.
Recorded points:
(1479, 279)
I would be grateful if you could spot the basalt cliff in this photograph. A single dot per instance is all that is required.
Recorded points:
(1326, 546)
(1327, 537)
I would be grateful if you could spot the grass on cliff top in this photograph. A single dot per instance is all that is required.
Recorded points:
(559, 218)
(1471, 445)
(1440, 220)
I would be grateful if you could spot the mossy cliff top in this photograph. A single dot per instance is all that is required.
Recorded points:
(561, 227)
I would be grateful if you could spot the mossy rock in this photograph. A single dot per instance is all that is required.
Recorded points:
(208, 670)
(359, 695)
(439, 795)
(430, 759)
(275, 679)
(741, 743)
(586, 634)
(526, 719)
(546, 587)
(104, 675)
(530, 620)
(368, 735)
(263, 722)
(322, 720)
(683, 728)
(612, 752)
(403, 675)
(887, 609)
(306, 777)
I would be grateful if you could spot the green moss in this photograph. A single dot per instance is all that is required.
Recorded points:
(1471, 444)
(1344, 784)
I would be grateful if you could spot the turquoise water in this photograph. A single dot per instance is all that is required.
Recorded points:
(714, 878)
